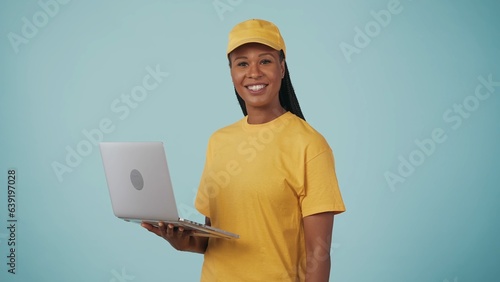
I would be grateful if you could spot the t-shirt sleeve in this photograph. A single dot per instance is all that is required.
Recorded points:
(321, 190)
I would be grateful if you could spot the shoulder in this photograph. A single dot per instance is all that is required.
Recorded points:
(294, 133)
(306, 135)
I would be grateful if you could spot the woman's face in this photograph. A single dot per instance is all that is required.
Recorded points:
(256, 71)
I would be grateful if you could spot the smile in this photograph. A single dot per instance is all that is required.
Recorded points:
(256, 87)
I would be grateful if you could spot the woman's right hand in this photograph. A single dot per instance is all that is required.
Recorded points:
(178, 237)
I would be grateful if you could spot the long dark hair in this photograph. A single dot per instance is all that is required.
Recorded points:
(287, 97)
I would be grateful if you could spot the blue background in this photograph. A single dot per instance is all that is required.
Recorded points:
(440, 224)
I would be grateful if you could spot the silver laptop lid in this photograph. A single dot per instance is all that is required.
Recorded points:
(139, 181)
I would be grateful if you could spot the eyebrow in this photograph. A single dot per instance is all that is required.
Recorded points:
(260, 55)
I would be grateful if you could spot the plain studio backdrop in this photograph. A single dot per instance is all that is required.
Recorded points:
(407, 93)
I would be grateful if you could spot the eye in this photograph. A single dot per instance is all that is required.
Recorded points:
(242, 64)
(265, 61)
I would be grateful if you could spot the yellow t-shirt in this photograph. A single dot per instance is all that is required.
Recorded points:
(259, 181)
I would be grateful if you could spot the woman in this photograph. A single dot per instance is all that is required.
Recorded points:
(269, 177)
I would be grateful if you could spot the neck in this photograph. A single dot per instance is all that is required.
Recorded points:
(257, 116)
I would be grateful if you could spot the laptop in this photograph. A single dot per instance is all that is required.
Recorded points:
(141, 189)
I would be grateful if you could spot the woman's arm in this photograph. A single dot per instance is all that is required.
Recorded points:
(180, 239)
(318, 237)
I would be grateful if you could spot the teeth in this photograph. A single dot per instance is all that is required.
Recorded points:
(256, 87)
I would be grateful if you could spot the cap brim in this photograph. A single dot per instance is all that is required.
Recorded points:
(239, 43)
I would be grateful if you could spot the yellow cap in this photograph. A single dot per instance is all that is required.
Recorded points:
(256, 31)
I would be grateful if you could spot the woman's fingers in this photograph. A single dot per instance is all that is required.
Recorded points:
(177, 237)
(162, 228)
(168, 232)
(151, 228)
(180, 232)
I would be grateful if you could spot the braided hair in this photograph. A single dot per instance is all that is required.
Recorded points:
(287, 97)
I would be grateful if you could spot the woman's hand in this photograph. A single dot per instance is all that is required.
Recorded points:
(178, 237)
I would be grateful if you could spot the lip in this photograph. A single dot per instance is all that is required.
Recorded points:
(254, 92)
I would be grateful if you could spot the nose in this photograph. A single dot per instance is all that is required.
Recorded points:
(253, 71)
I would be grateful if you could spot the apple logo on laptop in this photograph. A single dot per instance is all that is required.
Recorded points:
(136, 179)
